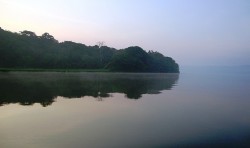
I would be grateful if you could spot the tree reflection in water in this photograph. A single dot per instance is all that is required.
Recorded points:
(28, 88)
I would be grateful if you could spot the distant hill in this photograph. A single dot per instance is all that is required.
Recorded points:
(27, 50)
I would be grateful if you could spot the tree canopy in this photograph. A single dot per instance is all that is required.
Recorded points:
(27, 50)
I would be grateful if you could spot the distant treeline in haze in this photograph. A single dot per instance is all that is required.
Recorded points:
(27, 50)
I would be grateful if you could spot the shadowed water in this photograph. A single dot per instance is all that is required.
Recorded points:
(28, 88)
(201, 107)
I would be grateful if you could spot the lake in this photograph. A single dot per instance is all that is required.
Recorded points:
(200, 107)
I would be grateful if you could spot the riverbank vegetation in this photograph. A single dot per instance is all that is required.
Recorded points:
(27, 51)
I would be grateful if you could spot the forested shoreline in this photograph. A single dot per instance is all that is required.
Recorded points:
(26, 50)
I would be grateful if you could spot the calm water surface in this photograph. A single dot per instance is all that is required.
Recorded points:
(197, 108)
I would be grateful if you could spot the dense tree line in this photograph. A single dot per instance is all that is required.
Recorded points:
(27, 50)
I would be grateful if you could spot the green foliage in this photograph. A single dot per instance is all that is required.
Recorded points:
(27, 50)
(160, 63)
(135, 59)
(131, 59)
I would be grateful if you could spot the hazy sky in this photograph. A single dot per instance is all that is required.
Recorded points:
(193, 32)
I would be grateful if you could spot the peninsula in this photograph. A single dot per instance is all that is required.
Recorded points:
(26, 50)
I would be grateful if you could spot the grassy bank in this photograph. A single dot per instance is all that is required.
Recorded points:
(51, 70)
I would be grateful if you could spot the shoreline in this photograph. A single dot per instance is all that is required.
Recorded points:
(70, 70)
(51, 70)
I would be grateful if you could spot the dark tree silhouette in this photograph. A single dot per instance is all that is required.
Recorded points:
(26, 50)
(28, 33)
(47, 36)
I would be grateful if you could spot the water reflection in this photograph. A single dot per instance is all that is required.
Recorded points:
(28, 88)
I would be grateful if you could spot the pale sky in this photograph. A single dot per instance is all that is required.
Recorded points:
(193, 32)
